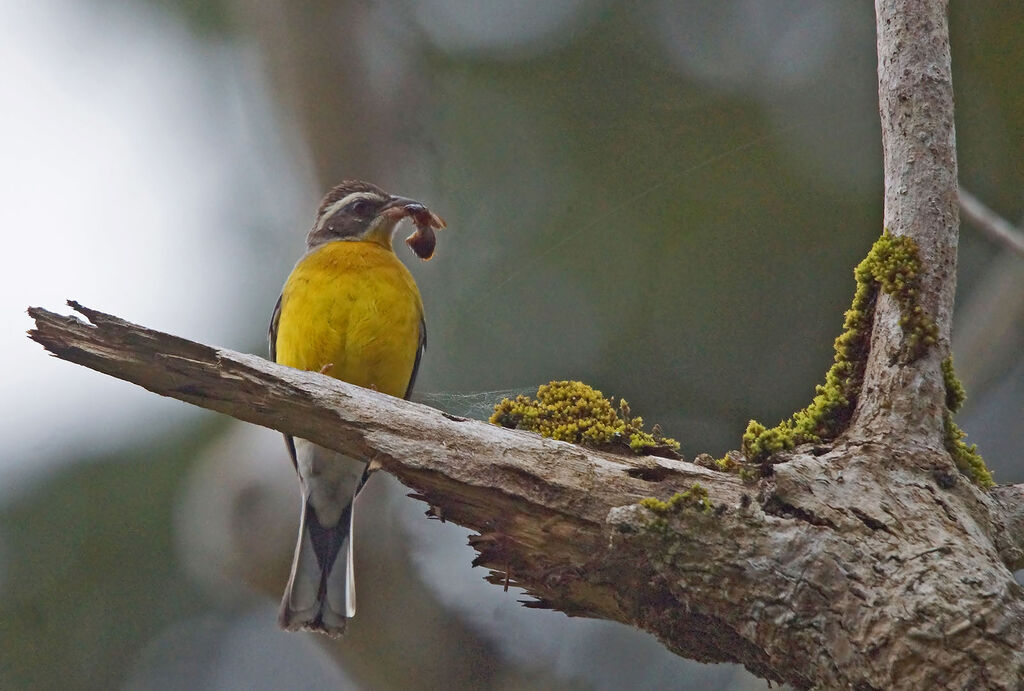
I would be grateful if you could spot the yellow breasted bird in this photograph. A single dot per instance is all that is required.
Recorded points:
(351, 310)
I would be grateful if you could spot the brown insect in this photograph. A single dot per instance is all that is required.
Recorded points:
(423, 239)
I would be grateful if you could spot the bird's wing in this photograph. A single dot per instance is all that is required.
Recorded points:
(419, 356)
(275, 319)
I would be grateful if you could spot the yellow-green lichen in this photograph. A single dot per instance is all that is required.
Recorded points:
(733, 462)
(694, 498)
(955, 393)
(966, 457)
(893, 266)
(725, 463)
(577, 413)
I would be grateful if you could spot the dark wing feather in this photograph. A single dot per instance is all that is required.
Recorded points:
(272, 338)
(419, 356)
(275, 319)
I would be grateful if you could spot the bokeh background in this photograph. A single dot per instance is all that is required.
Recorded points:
(664, 199)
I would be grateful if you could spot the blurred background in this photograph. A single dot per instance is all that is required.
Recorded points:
(664, 199)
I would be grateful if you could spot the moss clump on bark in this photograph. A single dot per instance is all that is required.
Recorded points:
(955, 393)
(966, 457)
(577, 413)
(695, 498)
(893, 266)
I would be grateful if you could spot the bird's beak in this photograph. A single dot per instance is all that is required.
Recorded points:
(399, 207)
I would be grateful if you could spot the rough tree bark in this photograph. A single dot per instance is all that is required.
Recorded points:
(869, 563)
(915, 103)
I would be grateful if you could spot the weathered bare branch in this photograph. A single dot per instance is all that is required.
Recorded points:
(847, 568)
(990, 223)
(540, 505)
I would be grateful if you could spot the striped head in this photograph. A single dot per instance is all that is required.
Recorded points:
(360, 211)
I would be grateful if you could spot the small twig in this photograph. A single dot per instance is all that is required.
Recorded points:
(990, 223)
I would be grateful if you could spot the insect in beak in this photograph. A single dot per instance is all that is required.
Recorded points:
(423, 239)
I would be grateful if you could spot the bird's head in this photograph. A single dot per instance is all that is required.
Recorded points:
(360, 211)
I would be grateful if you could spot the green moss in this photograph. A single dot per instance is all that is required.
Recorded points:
(726, 464)
(694, 498)
(893, 266)
(967, 458)
(955, 393)
(574, 412)
(733, 462)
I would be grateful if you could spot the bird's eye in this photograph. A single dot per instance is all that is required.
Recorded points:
(360, 207)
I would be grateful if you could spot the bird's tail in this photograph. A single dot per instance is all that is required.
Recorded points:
(321, 591)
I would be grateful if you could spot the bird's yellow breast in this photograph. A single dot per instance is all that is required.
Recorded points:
(355, 307)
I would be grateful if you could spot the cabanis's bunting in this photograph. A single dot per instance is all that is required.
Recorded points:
(351, 310)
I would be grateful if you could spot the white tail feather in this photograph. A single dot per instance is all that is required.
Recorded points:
(320, 595)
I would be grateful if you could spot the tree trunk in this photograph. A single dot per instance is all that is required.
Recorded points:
(915, 99)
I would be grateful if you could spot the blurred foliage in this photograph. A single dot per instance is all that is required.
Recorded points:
(206, 17)
(644, 220)
(92, 567)
(673, 231)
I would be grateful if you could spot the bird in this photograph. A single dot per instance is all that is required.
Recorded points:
(350, 309)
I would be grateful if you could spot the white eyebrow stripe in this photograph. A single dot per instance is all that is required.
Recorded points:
(338, 205)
